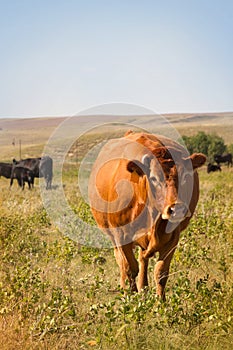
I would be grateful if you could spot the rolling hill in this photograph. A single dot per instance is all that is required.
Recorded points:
(31, 134)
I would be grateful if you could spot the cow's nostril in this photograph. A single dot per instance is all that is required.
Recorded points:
(171, 210)
(176, 211)
(168, 212)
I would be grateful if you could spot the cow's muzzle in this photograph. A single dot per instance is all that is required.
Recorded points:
(176, 212)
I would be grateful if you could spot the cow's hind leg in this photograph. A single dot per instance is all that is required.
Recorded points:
(143, 266)
(128, 265)
(121, 261)
(21, 183)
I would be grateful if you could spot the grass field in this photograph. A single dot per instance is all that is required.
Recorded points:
(57, 294)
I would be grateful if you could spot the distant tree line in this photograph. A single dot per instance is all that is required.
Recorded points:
(209, 144)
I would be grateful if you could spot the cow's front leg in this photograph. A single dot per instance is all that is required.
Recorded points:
(143, 266)
(161, 275)
(161, 272)
(128, 265)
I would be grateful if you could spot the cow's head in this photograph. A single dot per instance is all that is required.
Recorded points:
(170, 180)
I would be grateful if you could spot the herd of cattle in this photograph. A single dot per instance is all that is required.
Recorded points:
(25, 170)
(150, 213)
(219, 159)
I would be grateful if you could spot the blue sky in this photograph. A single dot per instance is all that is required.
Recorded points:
(62, 57)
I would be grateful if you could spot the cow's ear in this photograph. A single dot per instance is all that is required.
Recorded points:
(136, 166)
(198, 159)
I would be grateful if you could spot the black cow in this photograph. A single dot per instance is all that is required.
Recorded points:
(5, 170)
(40, 167)
(213, 167)
(227, 158)
(22, 175)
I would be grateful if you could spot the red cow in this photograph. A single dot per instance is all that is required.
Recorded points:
(143, 190)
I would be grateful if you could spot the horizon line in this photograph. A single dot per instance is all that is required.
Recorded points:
(113, 114)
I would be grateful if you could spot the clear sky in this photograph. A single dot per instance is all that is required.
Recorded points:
(60, 57)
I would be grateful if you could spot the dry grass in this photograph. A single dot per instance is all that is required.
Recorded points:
(53, 294)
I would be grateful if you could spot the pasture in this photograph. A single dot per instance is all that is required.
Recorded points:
(57, 294)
